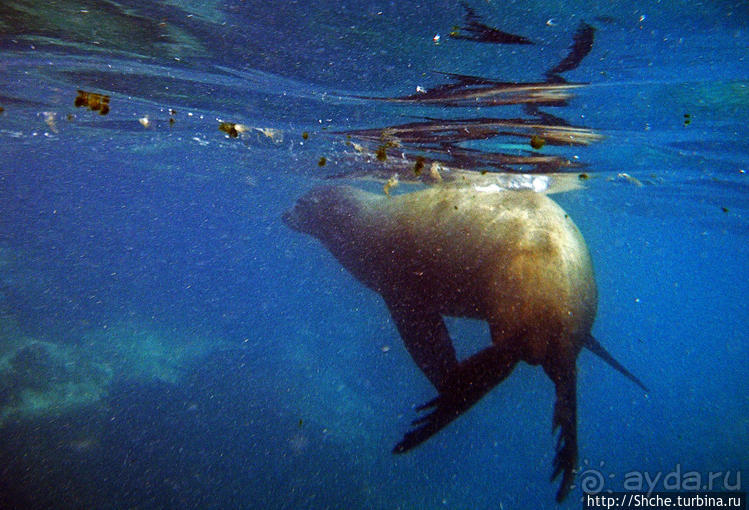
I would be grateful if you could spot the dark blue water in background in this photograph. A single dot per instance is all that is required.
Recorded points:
(166, 342)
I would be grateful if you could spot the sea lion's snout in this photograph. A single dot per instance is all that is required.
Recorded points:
(310, 210)
(301, 216)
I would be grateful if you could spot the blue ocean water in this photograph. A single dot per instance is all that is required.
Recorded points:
(166, 342)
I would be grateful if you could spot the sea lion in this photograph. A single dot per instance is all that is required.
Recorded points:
(512, 258)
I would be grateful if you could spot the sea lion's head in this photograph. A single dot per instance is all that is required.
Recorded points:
(325, 212)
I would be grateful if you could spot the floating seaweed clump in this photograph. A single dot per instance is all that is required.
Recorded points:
(419, 165)
(93, 101)
(537, 142)
(232, 129)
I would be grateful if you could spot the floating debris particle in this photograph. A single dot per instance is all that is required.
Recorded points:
(385, 348)
(70, 117)
(628, 178)
(382, 152)
(232, 129)
(322, 161)
(724, 209)
(305, 135)
(144, 121)
(436, 39)
(687, 119)
(390, 184)
(420, 89)
(229, 128)
(2, 109)
(388, 141)
(49, 119)
(276, 135)
(434, 172)
(419, 165)
(537, 142)
(93, 101)
(583, 177)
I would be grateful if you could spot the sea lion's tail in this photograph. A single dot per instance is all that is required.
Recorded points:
(596, 348)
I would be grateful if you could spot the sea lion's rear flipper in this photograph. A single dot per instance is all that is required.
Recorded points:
(564, 375)
(596, 348)
(468, 383)
(426, 338)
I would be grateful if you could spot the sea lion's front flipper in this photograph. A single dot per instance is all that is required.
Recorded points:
(472, 379)
(564, 375)
(426, 338)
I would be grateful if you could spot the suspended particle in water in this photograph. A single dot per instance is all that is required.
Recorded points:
(232, 129)
(434, 172)
(49, 119)
(276, 135)
(382, 153)
(305, 135)
(623, 176)
(419, 166)
(390, 184)
(322, 161)
(537, 142)
(93, 101)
